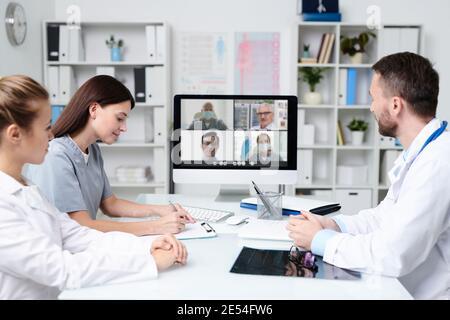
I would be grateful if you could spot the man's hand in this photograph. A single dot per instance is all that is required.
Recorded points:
(303, 228)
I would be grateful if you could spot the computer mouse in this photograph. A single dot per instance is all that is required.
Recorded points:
(235, 220)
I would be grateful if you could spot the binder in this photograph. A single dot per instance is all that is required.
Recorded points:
(160, 43)
(139, 84)
(155, 85)
(109, 71)
(305, 166)
(63, 43)
(342, 99)
(159, 125)
(53, 42)
(150, 33)
(56, 112)
(351, 86)
(66, 84)
(159, 166)
(76, 48)
(300, 123)
(332, 16)
(53, 84)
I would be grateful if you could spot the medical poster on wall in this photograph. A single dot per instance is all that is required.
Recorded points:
(257, 63)
(202, 62)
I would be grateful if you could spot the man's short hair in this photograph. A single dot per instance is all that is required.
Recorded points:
(411, 77)
(210, 134)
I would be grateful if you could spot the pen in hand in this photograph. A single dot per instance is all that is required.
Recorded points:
(186, 216)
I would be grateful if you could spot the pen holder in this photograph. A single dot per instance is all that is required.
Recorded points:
(270, 207)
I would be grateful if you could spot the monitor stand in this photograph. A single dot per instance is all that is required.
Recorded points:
(232, 192)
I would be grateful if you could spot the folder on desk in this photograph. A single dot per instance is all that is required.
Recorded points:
(293, 205)
(196, 231)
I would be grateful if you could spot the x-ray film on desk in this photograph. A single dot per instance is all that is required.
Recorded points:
(278, 263)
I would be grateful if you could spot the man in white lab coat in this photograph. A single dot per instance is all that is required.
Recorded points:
(408, 234)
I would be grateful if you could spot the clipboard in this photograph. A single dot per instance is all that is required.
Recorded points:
(196, 230)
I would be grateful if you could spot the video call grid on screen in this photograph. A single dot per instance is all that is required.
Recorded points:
(233, 132)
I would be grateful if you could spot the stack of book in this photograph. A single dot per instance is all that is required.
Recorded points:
(326, 48)
(133, 174)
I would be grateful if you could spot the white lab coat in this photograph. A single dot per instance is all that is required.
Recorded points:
(43, 251)
(408, 234)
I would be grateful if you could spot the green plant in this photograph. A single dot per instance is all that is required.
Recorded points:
(353, 45)
(312, 76)
(112, 43)
(358, 125)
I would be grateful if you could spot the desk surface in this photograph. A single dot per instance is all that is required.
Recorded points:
(207, 276)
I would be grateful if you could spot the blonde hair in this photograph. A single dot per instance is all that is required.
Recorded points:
(16, 95)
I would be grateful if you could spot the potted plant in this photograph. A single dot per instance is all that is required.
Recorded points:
(355, 46)
(116, 48)
(358, 127)
(312, 76)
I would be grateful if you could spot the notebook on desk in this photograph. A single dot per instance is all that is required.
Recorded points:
(265, 230)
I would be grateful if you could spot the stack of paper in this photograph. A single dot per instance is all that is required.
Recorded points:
(133, 174)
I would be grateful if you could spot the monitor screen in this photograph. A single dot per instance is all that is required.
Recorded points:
(235, 132)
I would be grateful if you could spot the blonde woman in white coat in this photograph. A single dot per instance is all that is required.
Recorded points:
(42, 250)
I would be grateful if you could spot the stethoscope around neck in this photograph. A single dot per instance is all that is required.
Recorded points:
(400, 169)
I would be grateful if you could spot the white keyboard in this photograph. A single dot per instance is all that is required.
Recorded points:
(208, 215)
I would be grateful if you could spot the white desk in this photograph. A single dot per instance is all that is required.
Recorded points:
(206, 275)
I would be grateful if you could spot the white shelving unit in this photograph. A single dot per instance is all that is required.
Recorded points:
(327, 154)
(137, 146)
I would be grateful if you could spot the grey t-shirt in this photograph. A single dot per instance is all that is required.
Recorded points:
(68, 181)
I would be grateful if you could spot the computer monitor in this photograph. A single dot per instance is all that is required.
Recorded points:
(234, 139)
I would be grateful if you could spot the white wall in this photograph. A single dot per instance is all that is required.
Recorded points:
(268, 15)
(27, 58)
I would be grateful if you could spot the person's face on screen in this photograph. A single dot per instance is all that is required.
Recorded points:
(264, 147)
(265, 115)
(380, 107)
(208, 112)
(209, 145)
(110, 121)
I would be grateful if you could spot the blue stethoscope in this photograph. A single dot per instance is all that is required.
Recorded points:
(434, 135)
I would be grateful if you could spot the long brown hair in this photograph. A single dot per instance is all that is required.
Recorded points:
(16, 96)
(101, 89)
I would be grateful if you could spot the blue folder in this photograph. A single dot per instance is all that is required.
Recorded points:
(351, 86)
(334, 16)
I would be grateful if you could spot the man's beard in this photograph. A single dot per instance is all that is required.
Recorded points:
(386, 127)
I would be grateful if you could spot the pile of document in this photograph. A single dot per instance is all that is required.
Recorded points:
(133, 174)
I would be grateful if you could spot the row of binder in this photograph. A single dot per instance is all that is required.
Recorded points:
(61, 84)
(149, 85)
(64, 43)
(348, 79)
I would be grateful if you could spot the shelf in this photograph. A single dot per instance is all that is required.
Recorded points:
(104, 63)
(350, 65)
(116, 184)
(316, 146)
(354, 107)
(351, 147)
(131, 145)
(316, 106)
(356, 186)
(319, 65)
(391, 148)
(146, 105)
